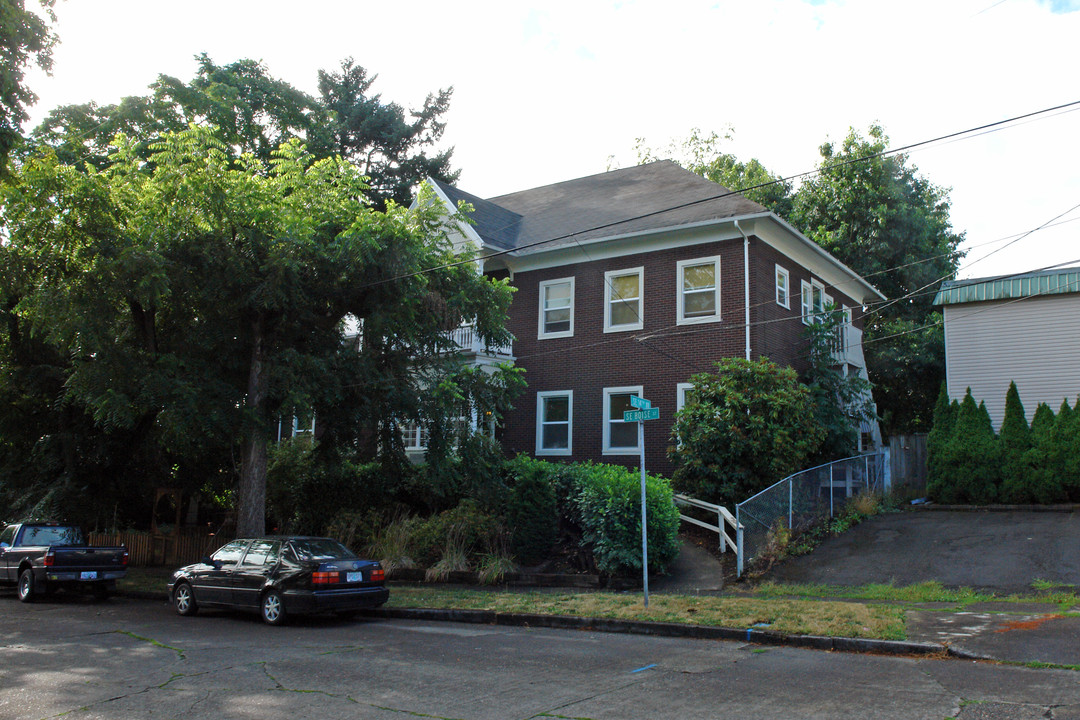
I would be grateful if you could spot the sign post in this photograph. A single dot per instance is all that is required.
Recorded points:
(645, 411)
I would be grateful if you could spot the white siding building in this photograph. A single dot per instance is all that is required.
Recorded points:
(1023, 328)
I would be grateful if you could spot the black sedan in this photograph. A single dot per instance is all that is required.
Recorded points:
(278, 576)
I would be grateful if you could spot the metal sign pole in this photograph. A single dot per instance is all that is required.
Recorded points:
(644, 525)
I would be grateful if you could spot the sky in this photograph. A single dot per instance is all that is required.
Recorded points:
(550, 91)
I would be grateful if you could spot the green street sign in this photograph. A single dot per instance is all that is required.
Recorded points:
(639, 402)
(636, 415)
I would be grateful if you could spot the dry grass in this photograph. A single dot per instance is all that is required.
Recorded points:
(801, 617)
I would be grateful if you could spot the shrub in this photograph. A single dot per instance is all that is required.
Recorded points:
(1015, 441)
(970, 463)
(743, 428)
(1042, 458)
(944, 421)
(606, 505)
(531, 514)
(466, 524)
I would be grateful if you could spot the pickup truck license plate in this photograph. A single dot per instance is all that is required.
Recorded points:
(354, 577)
(91, 575)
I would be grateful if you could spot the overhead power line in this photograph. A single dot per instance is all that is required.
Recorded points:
(809, 173)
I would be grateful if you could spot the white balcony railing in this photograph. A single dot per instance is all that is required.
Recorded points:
(467, 340)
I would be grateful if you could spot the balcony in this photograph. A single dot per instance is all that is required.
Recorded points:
(469, 342)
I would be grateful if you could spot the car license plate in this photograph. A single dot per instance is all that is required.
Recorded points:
(354, 577)
(91, 575)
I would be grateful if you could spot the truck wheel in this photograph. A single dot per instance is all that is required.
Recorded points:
(27, 591)
(184, 600)
(272, 608)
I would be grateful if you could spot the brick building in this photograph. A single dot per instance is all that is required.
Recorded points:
(628, 283)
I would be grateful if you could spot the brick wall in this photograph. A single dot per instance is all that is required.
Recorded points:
(667, 354)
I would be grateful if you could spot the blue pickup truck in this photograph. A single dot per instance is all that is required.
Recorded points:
(41, 557)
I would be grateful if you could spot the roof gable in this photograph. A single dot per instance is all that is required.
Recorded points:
(644, 197)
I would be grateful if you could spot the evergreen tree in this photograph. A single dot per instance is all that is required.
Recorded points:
(972, 457)
(1043, 483)
(1015, 441)
(944, 421)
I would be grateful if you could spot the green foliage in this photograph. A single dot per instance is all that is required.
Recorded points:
(971, 459)
(605, 503)
(700, 153)
(1043, 480)
(1015, 441)
(889, 224)
(746, 426)
(194, 302)
(25, 39)
(532, 514)
(254, 112)
(944, 421)
(878, 216)
(466, 526)
(841, 402)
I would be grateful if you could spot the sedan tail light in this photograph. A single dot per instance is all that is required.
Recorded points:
(325, 578)
(378, 575)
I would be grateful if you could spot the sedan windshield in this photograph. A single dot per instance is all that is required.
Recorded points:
(321, 549)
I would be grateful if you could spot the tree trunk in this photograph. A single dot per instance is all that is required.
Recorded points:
(251, 511)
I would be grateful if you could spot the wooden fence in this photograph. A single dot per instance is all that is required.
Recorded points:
(147, 549)
(907, 457)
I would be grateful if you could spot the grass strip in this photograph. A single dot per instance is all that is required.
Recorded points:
(798, 617)
(924, 592)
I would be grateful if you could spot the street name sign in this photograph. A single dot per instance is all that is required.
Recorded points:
(640, 403)
(638, 415)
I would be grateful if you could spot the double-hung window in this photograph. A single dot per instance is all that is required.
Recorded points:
(699, 290)
(783, 282)
(623, 299)
(555, 422)
(557, 308)
(414, 436)
(814, 301)
(620, 437)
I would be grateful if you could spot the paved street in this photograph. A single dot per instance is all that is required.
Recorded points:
(134, 659)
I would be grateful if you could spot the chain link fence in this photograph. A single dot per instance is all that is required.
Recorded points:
(800, 501)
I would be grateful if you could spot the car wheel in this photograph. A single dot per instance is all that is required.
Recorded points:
(27, 591)
(272, 608)
(184, 600)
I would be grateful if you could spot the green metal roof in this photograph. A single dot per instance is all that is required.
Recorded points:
(1047, 282)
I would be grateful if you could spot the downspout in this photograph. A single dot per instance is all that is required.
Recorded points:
(746, 286)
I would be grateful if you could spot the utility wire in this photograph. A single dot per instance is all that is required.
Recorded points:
(727, 193)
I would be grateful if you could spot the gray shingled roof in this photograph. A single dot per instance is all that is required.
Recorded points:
(1047, 282)
(645, 197)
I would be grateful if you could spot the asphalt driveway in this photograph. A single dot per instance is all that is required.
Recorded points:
(999, 551)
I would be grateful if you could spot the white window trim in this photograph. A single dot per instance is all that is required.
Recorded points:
(569, 449)
(806, 301)
(541, 335)
(640, 272)
(680, 394)
(415, 444)
(783, 273)
(608, 392)
(680, 296)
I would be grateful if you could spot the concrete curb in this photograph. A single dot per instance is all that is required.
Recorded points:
(701, 632)
(931, 507)
(755, 636)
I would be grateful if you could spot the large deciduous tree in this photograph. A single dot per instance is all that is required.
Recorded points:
(25, 39)
(256, 112)
(877, 215)
(198, 299)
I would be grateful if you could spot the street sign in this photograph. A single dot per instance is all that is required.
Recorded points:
(640, 403)
(637, 415)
